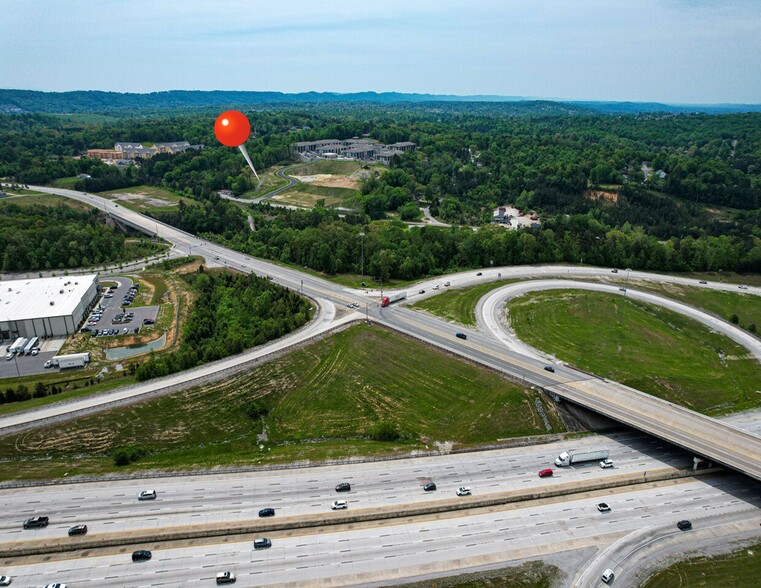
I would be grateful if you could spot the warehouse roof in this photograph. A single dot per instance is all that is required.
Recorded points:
(43, 297)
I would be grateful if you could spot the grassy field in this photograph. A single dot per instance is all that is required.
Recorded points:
(458, 305)
(306, 195)
(67, 183)
(343, 168)
(30, 197)
(741, 569)
(747, 307)
(146, 198)
(323, 402)
(533, 574)
(654, 350)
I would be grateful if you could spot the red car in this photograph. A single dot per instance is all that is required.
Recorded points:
(545, 473)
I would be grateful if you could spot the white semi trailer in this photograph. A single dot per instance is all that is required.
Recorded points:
(571, 457)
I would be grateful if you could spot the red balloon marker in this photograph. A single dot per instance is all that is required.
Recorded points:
(232, 129)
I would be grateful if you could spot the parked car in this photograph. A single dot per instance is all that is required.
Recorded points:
(267, 512)
(225, 578)
(339, 505)
(546, 473)
(141, 555)
(684, 525)
(463, 491)
(10, 356)
(78, 530)
(36, 522)
(461, 335)
(603, 507)
(429, 487)
(262, 543)
(606, 463)
(147, 495)
(343, 487)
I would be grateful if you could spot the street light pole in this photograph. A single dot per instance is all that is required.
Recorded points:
(362, 247)
(623, 302)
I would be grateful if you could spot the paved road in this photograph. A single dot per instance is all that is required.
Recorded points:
(108, 507)
(357, 557)
(405, 549)
(280, 173)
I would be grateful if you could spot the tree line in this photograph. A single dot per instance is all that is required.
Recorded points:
(231, 313)
(39, 237)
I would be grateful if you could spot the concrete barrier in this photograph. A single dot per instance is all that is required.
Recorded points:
(259, 526)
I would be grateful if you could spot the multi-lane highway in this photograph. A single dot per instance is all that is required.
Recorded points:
(460, 540)
(376, 553)
(111, 507)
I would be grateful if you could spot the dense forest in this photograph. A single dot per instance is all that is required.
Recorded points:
(319, 239)
(39, 237)
(673, 192)
(231, 313)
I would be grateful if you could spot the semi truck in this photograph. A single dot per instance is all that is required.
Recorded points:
(71, 361)
(33, 342)
(571, 457)
(391, 298)
(18, 346)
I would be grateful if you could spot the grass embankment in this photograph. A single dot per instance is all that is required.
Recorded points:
(653, 349)
(458, 305)
(747, 307)
(338, 168)
(307, 195)
(740, 569)
(532, 574)
(324, 401)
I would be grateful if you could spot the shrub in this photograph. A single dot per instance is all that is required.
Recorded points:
(257, 410)
(128, 454)
(384, 431)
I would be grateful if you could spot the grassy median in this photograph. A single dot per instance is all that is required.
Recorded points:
(647, 347)
(339, 397)
(458, 305)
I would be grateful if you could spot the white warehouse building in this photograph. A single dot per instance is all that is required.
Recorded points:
(46, 307)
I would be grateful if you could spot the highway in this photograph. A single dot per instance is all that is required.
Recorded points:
(460, 540)
(400, 550)
(109, 507)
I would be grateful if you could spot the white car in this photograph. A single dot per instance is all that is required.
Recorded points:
(606, 463)
(147, 495)
(607, 576)
(339, 505)
(743, 287)
(56, 585)
(463, 491)
(436, 287)
(5, 580)
(35, 351)
(10, 356)
(603, 507)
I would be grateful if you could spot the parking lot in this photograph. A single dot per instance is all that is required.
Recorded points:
(114, 316)
(28, 365)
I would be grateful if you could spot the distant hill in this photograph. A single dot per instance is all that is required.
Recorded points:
(20, 101)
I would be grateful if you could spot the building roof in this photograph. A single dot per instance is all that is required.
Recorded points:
(29, 299)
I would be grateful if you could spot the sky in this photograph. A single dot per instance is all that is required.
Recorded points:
(675, 51)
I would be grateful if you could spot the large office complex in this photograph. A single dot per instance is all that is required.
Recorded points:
(45, 307)
(361, 149)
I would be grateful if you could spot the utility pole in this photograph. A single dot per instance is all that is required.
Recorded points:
(623, 302)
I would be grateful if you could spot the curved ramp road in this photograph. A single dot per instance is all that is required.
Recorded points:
(703, 435)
